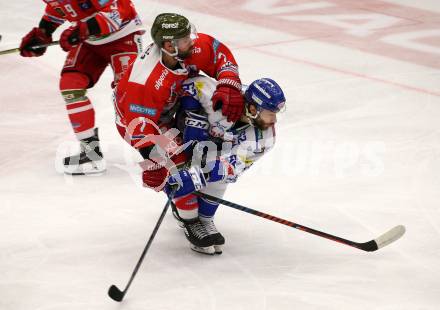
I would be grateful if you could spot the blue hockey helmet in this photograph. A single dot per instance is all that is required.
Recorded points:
(265, 94)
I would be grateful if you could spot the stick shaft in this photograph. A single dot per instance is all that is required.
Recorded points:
(16, 50)
(276, 219)
(150, 241)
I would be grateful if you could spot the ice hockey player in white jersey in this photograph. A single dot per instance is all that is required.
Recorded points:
(220, 152)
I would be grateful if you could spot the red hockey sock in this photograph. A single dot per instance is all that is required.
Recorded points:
(73, 86)
(187, 206)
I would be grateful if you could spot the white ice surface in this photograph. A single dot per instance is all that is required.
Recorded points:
(354, 157)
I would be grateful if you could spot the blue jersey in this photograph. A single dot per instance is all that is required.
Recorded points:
(241, 143)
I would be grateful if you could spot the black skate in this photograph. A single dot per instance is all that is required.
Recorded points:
(88, 161)
(199, 239)
(219, 240)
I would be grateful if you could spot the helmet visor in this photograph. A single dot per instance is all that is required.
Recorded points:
(188, 40)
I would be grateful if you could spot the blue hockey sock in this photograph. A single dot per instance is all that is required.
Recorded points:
(207, 208)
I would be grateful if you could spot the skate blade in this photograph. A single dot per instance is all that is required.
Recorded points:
(209, 250)
(218, 249)
(95, 168)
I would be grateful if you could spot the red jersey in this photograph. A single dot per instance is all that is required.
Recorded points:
(149, 90)
(116, 18)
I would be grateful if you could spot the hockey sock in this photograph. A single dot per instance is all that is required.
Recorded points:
(187, 206)
(207, 208)
(73, 86)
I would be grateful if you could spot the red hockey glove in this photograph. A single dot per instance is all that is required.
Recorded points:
(36, 36)
(228, 97)
(73, 36)
(155, 177)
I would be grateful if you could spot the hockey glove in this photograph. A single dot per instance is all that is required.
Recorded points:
(36, 36)
(228, 97)
(155, 176)
(73, 36)
(156, 168)
(186, 181)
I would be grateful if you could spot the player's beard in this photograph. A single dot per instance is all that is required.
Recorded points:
(260, 124)
(185, 54)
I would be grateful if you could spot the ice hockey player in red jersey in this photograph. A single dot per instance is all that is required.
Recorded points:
(146, 97)
(102, 32)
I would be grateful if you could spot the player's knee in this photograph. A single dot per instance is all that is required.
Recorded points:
(73, 87)
(74, 95)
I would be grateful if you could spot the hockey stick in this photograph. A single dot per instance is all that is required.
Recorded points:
(15, 50)
(114, 292)
(369, 246)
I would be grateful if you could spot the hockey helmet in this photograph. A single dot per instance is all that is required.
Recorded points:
(169, 27)
(265, 94)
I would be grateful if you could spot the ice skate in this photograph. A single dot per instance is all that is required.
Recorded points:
(88, 161)
(199, 239)
(219, 240)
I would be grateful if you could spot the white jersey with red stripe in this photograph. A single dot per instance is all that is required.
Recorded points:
(248, 143)
(115, 18)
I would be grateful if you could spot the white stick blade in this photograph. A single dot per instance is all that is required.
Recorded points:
(390, 236)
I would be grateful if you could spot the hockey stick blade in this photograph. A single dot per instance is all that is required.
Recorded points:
(384, 239)
(115, 293)
(369, 246)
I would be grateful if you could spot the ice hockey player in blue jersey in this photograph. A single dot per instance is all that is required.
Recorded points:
(220, 152)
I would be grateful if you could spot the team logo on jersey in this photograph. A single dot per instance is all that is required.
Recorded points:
(189, 89)
(159, 81)
(228, 66)
(136, 108)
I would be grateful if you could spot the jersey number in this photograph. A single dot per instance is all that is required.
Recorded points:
(70, 10)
